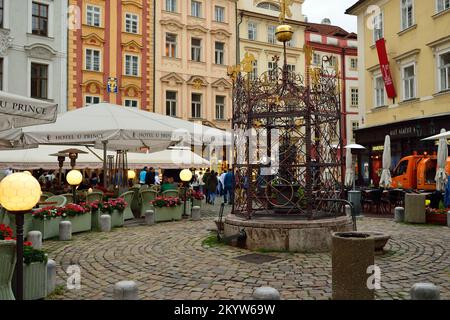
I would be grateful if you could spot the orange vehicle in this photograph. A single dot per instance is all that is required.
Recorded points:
(417, 172)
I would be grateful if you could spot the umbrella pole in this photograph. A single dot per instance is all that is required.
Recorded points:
(105, 155)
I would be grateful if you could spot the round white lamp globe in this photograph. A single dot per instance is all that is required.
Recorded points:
(74, 177)
(19, 192)
(186, 175)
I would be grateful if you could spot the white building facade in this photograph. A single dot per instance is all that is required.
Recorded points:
(33, 49)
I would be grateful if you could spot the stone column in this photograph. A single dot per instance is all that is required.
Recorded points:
(125, 290)
(65, 230)
(425, 291)
(105, 223)
(352, 254)
(35, 237)
(51, 276)
(196, 214)
(399, 214)
(149, 217)
(266, 293)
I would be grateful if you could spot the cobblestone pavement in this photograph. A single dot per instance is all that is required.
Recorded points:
(170, 261)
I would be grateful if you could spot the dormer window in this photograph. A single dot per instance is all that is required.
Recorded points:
(269, 6)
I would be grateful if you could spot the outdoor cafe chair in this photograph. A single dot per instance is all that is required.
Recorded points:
(69, 197)
(94, 196)
(128, 198)
(43, 197)
(61, 201)
(171, 193)
(146, 197)
(135, 203)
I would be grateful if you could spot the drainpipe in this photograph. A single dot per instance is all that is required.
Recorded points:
(344, 95)
(238, 49)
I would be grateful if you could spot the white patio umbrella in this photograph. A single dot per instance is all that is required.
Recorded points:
(354, 146)
(17, 111)
(442, 154)
(443, 134)
(349, 169)
(172, 158)
(385, 179)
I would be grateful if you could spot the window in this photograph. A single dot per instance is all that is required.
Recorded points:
(2, 6)
(1, 73)
(40, 19)
(332, 62)
(271, 34)
(91, 100)
(131, 23)
(219, 53)
(219, 14)
(407, 13)
(93, 16)
(290, 67)
(39, 81)
(443, 5)
(316, 59)
(409, 82)
(401, 168)
(251, 31)
(196, 49)
(171, 5)
(272, 67)
(220, 107)
(196, 105)
(355, 126)
(92, 60)
(171, 45)
(131, 103)
(378, 27)
(269, 6)
(196, 9)
(171, 103)
(444, 71)
(353, 63)
(354, 93)
(131, 65)
(379, 91)
(254, 74)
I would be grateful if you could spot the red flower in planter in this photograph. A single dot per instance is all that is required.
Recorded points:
(5, 232)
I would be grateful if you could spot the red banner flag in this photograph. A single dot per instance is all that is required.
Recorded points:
(384, 66)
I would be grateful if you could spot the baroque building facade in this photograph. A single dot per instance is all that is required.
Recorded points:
(33, 49)
(194, 45)
(110, 49)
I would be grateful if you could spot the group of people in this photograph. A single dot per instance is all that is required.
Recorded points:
(148, 176)
(212, 184)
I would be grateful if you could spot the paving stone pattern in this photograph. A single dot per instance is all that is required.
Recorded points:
(169, 261)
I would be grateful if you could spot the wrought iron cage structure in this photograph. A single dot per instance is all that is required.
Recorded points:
(287, 143)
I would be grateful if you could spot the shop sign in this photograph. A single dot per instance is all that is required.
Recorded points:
(377, 148)
(405, 131)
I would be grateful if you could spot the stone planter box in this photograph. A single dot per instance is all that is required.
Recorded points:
(168, 214)
(80, 223)
(49, 228)
(7, 265)
(436, 218)
(34, 281)
(27, 224)
(117, 219)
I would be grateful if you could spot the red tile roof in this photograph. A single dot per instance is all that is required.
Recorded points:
(329, 30)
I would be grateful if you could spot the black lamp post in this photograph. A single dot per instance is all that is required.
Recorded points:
(74, 178)
(185, 176)
(19, 193)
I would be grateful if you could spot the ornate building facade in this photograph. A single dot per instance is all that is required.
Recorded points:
(111, 56)
(257, 21)
(194, 44)
(33, 49)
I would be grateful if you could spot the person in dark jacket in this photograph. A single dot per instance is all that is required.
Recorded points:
(228, 182)
(211, 186)
(150, 177)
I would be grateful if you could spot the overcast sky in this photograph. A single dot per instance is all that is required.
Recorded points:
(316, 10)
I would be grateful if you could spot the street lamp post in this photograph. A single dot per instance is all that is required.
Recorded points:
(19, 193)
(74, 178)
(185, 176)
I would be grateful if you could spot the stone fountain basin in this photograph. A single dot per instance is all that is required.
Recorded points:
(381, 240)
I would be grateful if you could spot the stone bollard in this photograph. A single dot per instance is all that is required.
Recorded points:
(35, 237)
(51, 276)
(399, 214)
(352, 254)
(105, 223)
(266, 293)
(425, 291)
(149, 217)
(348, 210)
(196, 214)
(65, 230)
(415, 208)
(125, 290)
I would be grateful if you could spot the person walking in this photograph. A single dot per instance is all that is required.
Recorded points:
(222, 183)
(205, 184)
(228, 184)
(150, 177)
(212, 186)
(142, 176)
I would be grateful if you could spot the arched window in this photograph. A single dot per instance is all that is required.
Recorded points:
(268, 5)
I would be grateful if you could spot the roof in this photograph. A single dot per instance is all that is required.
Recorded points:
(353, 7)
(330, 30)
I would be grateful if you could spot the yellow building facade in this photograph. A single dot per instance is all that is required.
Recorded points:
(110, 53)
(417, 40)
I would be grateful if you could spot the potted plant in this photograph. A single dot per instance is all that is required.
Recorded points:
(197, 197)
(34, 272)
(167, 208)
(7, 262)
(78, 215)
(46, 220)
(437, 216)
(115, 208)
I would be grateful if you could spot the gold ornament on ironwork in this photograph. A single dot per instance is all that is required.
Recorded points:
(247, 62)
(315, 76)
(308, 54)
(285, 9)
(233, 71)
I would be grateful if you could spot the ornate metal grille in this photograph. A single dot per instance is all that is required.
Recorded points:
(286, 143)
